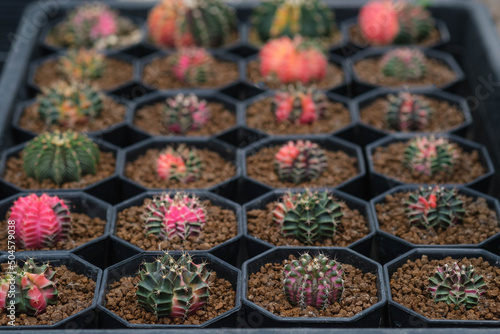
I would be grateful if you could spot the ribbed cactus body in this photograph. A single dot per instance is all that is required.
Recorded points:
(299, 104)
(193, 66)
(407, 112)
(404, 64)
(429, 155)
(82, 64)
(181, 164)
(184, 113)
(415, 23)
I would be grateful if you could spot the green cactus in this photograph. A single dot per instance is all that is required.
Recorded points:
(429, 155)
(404, 64)
(407, 112)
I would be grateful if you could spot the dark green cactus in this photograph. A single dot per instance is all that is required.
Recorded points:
(404, 64)
(415, 23)
(407, 112)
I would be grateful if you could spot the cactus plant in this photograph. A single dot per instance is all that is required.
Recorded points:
(299, 104)
(407, 112)
(192, 65)
(176, 23)
(300, 161)
(60, 156)
(181, 164)
(457, 285)
(429, 155)
(184, 113)
(313, 281)
(415, 22)
(404, 64)
(82, 64)
(175, 289)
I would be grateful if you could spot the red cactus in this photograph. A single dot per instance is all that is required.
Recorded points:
(299, 104)
(378, 21)
(192, 65)
(181, 164)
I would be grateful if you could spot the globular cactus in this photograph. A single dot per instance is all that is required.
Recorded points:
(40, 221)
(407, 112)
(177, 23)
(316, 282)
(178, 216)
(60, 156)
(300, 161)
(309, 18)
(309, 216)
(299, 104)
(415, 22)
(184, 113)
(457, 285)
(69, 104)
(175, 289)
(193, 66)
(404, 64)
(434, 207)
(292, 60)
(429, 155)
(181, 164)
(82, 64)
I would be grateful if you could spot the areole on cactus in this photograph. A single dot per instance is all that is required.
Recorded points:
(82, 64)
(299, 104)
(429, 155)
(184, 113)
(407, 112)
(180, 164)
(192, 65)
(404, 64)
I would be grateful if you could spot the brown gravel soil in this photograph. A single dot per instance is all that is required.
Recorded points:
(112, 113)
(14, 173)
(260, 115)
(356, 37)
(334, 77)
(409, 288)
(116, 72)
(388, 160)
(341, 167)
(438, 73)
(75, 294)
(326, 42)
(150, 119)
(234, 36)
(446, 116)
(352, 228)
(221, 225)
(265, 288)
(122, 301)
(158, 74)
(480, 222)
(215, 170)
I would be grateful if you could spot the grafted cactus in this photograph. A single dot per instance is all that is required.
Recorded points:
(185, 112)
(300, 161)
(82, 64)
(181, 164)
(193, 66)
(299, 104)
(429, 155)
(404, 64)
(407, 112)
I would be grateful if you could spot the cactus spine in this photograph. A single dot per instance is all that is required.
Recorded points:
(299, 104)
(429, 155)
(181, 164)
(407, 112)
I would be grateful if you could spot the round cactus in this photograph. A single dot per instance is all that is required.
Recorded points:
(193, 66)
(181, 164)
(185, 113)
(415, 23)
(404, 64)
(82, 64)
(407, 112)
(429, 155)
(299, 104)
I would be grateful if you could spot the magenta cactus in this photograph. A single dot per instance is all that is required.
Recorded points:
(429, 155)
(404, 64)
(184, 113)
(299, 104)
(407, 112)
(192, 65)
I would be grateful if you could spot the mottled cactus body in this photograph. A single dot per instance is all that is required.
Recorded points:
(429, 155)
(404, 64)
(415, 23)
(82, 64)
(407, 112)
(185, 113)
(193, 66)
(299, 104)
(181, 164)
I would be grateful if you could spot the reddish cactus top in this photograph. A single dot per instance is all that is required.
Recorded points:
(378, 20)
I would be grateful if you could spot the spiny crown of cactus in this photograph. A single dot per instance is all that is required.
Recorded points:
(181, 164)
(82, 64)
(173, 288)
(429, 155)
(177, 23)
(300, 161)
(292, 60)
(60, 156)
(178, 216)
(313, 281)
(404, 64)
(308, 216)
(415, 22)
(193, 66)
(69, 104)
(434, 207)
(299, 104)
(34, 288)
(457, 285)
(407, 112)
(40, 221)
(309, 18)
(184, 113)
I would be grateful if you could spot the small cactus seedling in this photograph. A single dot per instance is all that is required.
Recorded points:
(308, 217)
(407, 112)
(299, 104)
(300, 161)
(175, 289)
(181, 164)
(404, 64)
(313, 281)
(415, 22)
(434, 207)
(429, 155)
(185, 113)
(177, 23)
(193, 66)
(40, 221)
(60, 156)
(457, 285)
(178, 216)
(292, 60)
(82, 65)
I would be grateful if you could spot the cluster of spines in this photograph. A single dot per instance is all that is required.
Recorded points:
(299, 104)
(404, 64)
(192, 65)
(407, 112)
(429, 155)
(82, 64)
(179, 164)
(185, 113)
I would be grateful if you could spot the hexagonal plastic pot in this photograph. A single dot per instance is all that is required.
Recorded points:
(370, 317)
(402, 317)
(391, 246)
(130, 267)
(380, 182)
(84, 319)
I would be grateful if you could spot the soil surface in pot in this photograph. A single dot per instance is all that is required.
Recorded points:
(122, 301)
(260, 115)
(265, 288)
(480, 222)
(75, 294)
(221, 225)
(341, 167)
(388, 160)
(352, 227)
(409, 288)
(14, 173)
(150, 119)
(215, 170)
(112, 113)
(356, 37)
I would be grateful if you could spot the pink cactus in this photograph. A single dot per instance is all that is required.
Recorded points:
(192, 65)
(169, 165)
(98, 19)
(299, 104)
(378, 21)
